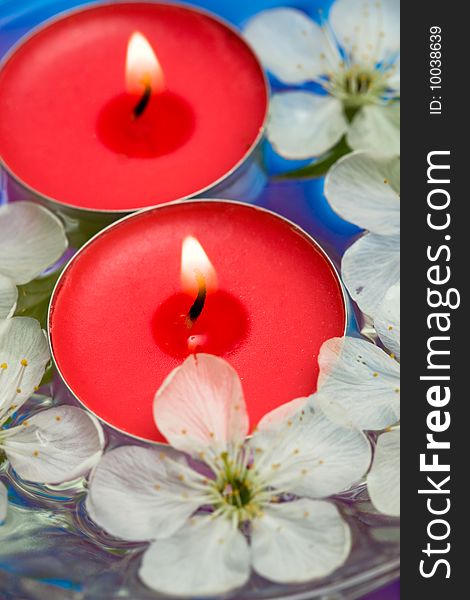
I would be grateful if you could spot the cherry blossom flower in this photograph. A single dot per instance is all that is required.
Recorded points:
(359, 386)
(364, 190)
(296, 454)
(53, 445)
(353, 56)
(383, 480)
(31, 239)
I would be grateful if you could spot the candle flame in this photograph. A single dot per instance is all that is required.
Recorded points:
(195, 262)
(142, 67)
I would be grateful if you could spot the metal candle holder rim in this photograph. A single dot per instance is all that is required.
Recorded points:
(138, 214)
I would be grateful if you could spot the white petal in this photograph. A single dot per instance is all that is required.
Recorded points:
(288, 43)
(310, 455)
(383, 481)
(8, 296)
(55, 445)
(3, 502)
(302, 125)
(376, 129)
(387, 320)
(369, 268)
(24, 354)
(140, 493)
(360, 379)
(368, 29)
(279, 416)
(298, 541)
(364, 190)
(31, 239)
(201, 405)
(207, 556)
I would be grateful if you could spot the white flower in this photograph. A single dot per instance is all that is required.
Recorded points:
(354, 56)
(51, 446)
(365, 190)
(383, 481)
(387, 320)
(145, 494)
(31, 239)
(359, 386)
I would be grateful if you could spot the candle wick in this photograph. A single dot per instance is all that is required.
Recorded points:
(198, 305)
(142, 103)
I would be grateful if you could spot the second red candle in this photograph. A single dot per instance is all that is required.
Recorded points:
(117, 316)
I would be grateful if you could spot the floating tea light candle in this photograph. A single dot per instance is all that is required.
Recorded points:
(120, 106)
(199, 276)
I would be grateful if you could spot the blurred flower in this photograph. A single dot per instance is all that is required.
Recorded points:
(145, 494)
(364, 190)
(383, 480)
(359, 386)
(353, 56)
(31, 239)
(53, 445)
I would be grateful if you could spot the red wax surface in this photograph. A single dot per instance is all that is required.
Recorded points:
(65, 122)
(222, 325)
(166, 124)
(108, 304)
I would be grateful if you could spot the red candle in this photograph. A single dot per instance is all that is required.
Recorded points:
(68, 128)
(122, 315)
